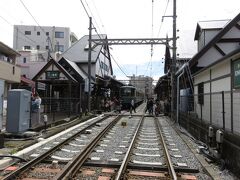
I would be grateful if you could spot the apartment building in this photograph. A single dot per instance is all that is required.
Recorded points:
(44, 38)
(9, 74)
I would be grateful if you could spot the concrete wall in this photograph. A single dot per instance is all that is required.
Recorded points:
(213, 102)
(9, 72)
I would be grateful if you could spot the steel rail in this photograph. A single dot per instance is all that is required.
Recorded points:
(171, 170)
(73, 166)
(125, 161)
(46, 154)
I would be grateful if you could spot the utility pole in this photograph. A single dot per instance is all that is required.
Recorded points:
(89, 63)
(173, 64)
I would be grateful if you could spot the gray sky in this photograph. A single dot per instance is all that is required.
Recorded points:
(121, 19)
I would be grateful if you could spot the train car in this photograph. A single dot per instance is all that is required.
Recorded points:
(127, 93)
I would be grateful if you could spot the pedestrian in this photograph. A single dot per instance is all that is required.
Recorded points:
(133, 105)
(150, 110)
(36, 109)
(147, 106)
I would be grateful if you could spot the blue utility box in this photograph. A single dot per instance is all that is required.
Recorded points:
(18, 110)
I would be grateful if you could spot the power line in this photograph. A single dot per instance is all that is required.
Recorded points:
(99, 16)
(162, 19)
(32, 16)
(93, 18)
(118, 65)
(32, 41)
(151, 50)
(48, 39)
(85, 9)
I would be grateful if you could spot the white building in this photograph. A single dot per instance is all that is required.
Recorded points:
(216, 77)
(42, 38)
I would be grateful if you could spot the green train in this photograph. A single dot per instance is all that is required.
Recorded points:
(127, 93)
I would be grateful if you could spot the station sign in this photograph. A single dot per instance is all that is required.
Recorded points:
(236, 74)
(52, 74)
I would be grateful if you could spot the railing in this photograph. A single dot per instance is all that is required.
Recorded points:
(58, 109)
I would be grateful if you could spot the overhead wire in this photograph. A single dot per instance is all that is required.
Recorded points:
(151, 50)
(88, 14)
(152, 37)
(118, 65)
(32, 41)
(160, 27)
(99, 16)
(48, 39)
(85, 9)
(164, 14)
(32, 15)
(97, 26)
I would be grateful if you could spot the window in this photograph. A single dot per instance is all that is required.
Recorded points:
(38, 47)
(47, 33)
(24, 60)
(200, 93)
(38, 33)
(27, 32)
(59, 48)
(47, 47)
(13, 69)
(27, 47)
(59, 34)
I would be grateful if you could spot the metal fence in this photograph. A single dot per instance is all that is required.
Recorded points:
(60, 108)
(220, 109)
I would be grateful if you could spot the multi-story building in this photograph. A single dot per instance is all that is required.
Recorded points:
(9, 74)
(36, 45)
(44, 38)
(142, 83)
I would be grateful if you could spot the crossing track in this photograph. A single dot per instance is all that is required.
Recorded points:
(47, 165)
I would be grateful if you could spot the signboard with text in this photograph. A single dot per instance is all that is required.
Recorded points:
(52, 74)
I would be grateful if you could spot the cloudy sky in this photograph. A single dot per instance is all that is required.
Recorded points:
(121, 19)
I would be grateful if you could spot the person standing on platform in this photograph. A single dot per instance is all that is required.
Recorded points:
(36, 108)
(37, 103)
(150, 110)
(133, 105)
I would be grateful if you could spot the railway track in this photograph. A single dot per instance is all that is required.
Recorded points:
(144, 141)
(57, 153)
(118, 147)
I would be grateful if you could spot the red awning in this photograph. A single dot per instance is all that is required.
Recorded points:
(27, 81)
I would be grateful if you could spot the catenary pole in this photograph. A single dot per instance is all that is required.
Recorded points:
(89, 63)
(173, 67)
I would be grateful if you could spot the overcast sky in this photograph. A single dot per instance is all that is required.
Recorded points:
(121, 19)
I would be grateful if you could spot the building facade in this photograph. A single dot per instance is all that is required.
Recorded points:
(143, 83)
(216, 75)
(44, 38)
(9, 74)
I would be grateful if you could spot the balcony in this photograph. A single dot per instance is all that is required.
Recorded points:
(9, 72)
